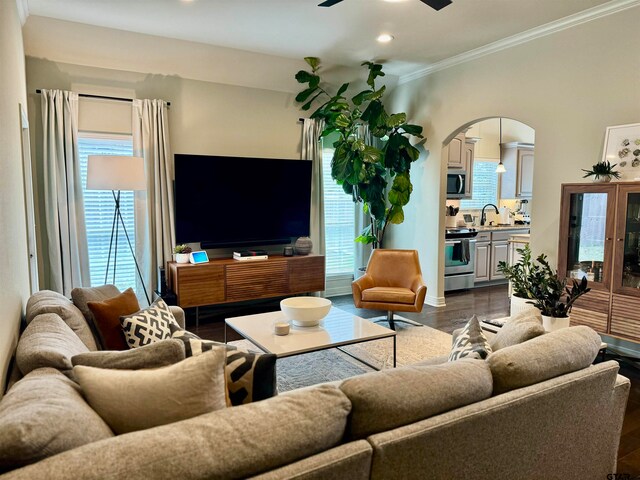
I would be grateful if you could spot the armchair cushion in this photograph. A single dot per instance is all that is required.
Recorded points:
(389, 295)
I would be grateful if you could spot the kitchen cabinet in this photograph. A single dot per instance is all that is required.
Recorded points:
(469, 154)
(600, 239)
(492, 247)
(455, 152)
(518, 160)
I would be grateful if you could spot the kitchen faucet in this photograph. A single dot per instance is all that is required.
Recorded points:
(483, 217)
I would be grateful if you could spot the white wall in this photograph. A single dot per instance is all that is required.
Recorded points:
(14, 265)
(568, 86)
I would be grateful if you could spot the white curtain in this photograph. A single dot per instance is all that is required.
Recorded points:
(155, 223)
(68, 258)
(312, 150)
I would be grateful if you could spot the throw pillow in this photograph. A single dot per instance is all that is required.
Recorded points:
(81, 296)
(42, 415)
(47, 342)
(130, 400)
(149, 325)
(159, 354)
(522, 327)
(107, 314)
(470, 343)
(250, 376)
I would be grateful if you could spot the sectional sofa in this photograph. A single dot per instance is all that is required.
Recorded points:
(536, 408)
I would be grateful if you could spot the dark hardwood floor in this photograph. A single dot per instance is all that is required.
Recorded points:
(487, 302)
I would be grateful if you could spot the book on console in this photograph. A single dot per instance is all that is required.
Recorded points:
(251, 258)
(250, 253)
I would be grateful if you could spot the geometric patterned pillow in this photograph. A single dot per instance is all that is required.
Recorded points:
(250, 376)
(470, 343)
(149, 325)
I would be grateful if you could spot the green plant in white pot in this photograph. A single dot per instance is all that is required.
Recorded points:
(181, 253)
(552, 296)
(519, 275)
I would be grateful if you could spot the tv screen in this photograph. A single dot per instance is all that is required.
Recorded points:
(235, 202)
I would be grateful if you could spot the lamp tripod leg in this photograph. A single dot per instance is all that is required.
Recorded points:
(146, 294)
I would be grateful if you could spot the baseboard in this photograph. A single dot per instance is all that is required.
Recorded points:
(434, 301)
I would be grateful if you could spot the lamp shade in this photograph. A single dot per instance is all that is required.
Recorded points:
(115, 172)
(500, 168)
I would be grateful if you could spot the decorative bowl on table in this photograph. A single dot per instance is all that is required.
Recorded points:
(305, 311)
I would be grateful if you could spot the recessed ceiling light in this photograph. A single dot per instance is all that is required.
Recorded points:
(385, 38)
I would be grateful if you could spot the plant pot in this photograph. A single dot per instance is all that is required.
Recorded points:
(182, 257)
(602, 179)
(519, 304)
(551, 324)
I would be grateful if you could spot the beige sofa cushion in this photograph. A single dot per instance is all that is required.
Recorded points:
(543, 357)
(392, 398)
(130, 400)
(232, 443)
(159, 354)
(47, 342)
(47, 301)
(522, 327)
(44, 414)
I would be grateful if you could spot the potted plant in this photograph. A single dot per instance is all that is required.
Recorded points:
(602, 172)
(519, 275)
(552, 296)
(373, 169)
(181, 253)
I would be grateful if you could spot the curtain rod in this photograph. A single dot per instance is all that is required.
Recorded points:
(104, 97)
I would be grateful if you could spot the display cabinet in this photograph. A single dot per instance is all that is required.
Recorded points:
(600, 240)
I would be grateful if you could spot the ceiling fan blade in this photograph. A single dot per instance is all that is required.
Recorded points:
(329, 3)
(437, 4)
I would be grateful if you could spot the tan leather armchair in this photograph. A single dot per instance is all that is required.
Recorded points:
(392, 282)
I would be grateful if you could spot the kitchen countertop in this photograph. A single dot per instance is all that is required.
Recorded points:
(486, 228)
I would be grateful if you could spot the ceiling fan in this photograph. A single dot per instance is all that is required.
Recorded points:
(435, 4)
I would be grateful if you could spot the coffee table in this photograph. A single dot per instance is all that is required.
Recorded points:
(337, 329)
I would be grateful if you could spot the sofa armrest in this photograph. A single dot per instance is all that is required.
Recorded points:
(179, 314)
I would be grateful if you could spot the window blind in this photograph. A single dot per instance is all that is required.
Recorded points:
(485, 186)
(99, 207)
(339, 218)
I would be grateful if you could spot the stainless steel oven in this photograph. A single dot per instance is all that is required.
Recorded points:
(459, 259)
(456, 182)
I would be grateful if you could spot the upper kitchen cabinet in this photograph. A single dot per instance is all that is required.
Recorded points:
(455, 152)
(469, 156)
(517, 181)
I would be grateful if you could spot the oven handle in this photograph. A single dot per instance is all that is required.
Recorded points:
(453, 242)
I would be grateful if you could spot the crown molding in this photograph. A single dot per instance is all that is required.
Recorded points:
(570, 21)
(23, 10)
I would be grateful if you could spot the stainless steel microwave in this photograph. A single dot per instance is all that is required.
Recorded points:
(456, 183)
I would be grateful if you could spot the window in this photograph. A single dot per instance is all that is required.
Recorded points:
(99, 207)
(339, 218)
(485, 185)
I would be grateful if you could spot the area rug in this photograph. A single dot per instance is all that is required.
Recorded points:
(413, 344)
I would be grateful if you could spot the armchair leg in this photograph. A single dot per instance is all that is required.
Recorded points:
(392, 321)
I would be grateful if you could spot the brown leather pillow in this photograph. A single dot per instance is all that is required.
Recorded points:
(107, 316)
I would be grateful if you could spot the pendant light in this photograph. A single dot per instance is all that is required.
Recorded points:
(500, 168)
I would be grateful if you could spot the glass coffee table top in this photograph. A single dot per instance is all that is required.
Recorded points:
(337, 329)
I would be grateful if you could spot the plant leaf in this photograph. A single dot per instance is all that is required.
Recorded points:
(313, 62)
(303, 76)
(303, 95)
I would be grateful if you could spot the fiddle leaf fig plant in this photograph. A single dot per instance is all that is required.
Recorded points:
(364, 166)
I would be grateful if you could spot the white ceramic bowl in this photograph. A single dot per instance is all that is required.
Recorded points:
(305, 311)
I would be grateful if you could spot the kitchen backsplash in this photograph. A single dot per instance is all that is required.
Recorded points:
(511, 204)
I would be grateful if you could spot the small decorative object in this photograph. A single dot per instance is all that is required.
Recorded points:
(620, 142)
(181, 253)
(305, 311)
(281, 328)
(623, 163)
(602, 172)
(303, 246)
(288, 251)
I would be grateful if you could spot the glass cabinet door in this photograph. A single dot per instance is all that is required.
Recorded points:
(587, 222)
(627, 271)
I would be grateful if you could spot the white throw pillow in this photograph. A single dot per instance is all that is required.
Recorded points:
(149, 325)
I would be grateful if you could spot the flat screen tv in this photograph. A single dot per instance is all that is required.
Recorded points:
(236, 202)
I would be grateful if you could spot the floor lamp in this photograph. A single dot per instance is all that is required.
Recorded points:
(117, 173)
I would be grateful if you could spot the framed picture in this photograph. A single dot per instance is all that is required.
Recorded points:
(622, 147)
